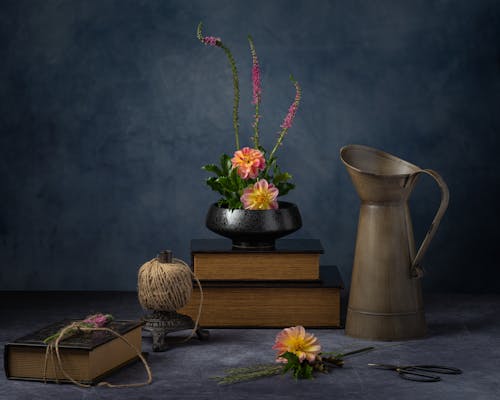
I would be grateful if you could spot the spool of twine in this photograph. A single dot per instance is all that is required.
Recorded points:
(164, 283)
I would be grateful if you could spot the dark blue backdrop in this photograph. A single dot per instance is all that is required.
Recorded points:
(110, 108)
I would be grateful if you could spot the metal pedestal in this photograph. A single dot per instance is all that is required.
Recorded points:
(161, 323)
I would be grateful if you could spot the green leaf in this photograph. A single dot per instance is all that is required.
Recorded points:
(225, 182)
(234, 203)
(307, 372)
(300, 370)
(225, 163)
(212, 168)
(284, 188)
(278, 178)
(214, 184)
(292, 361)
(234, 177)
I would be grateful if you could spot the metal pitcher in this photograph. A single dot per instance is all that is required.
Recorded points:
(385, 300)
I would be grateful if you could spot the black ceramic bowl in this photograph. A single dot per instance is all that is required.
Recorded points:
(254, 228)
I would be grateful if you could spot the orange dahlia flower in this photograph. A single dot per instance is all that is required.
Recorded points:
(297, 341)
(260, 196)
(248, 162)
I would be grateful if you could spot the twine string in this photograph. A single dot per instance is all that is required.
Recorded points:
(195, 328)
(53, 347)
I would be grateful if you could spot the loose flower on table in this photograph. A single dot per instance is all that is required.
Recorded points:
(297, 341)
(298, 352)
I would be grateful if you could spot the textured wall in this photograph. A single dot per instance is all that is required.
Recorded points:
(109, 109)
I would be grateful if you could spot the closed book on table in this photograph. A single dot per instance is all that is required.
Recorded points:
(291, 259)
(270, 304)
(87, 356)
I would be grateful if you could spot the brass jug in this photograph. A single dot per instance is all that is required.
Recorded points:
(385, 300)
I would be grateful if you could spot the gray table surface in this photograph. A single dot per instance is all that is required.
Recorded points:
(463, 331)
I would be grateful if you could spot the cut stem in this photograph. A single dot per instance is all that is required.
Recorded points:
(236, 99)
(215, 41)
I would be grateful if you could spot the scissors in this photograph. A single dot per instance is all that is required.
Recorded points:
(414, 372)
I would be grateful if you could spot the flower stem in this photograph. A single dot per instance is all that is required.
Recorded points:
(236, 87)
(216, 41)
(256, 127)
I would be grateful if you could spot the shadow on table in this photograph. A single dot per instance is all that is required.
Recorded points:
(483, 323)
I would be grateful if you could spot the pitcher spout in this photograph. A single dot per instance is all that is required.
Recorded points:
(379, 176)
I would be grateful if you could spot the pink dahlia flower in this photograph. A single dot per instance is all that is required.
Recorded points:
(297, 341)
(260, 196)
(248, 162)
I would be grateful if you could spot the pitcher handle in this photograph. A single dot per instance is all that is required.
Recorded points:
(416, 270)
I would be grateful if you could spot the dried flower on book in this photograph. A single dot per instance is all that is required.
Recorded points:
(92, 321)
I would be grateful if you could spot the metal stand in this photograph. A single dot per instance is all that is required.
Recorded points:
(161, 323)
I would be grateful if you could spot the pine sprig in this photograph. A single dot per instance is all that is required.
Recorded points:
(236, 375)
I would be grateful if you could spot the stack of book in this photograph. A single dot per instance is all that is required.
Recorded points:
(275, 288)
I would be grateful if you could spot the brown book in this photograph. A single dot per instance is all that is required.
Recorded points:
(293, 259)
(86, 357)
(273, 304)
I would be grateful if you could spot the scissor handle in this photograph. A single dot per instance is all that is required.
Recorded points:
(411, 375)
(438, 369)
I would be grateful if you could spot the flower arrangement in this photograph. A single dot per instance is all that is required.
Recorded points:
(251, 179)
(298, 352)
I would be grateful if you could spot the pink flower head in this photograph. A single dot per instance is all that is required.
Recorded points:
(287, 122)
(297, 341)
(211, 40)
(98, 320)
(260, 196)
(248, 162)
(257, 89)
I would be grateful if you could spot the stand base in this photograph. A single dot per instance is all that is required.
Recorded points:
(161, 323)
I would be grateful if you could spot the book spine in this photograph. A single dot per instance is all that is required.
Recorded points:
(6, 360)
(267, 307)
(256, 267)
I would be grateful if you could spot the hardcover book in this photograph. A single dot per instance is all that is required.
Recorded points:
(270, 304)
(291, 259)
(86, 357)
